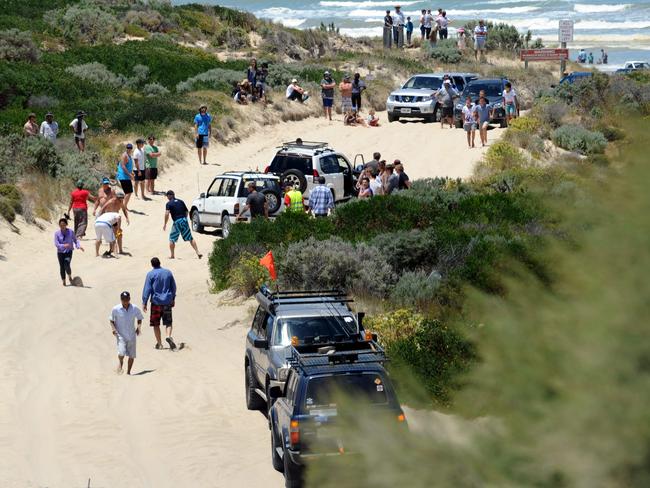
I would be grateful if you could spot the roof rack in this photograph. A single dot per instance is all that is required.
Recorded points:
(309, 297)
(336, 353)
(305, 144)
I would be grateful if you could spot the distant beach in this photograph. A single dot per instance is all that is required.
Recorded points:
(623, 30)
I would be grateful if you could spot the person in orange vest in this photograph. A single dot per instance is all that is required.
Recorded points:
(293, 199)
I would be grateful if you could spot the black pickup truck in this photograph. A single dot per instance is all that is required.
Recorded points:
(304, 417)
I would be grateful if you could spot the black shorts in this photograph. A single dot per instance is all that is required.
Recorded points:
(151, 173)
(161, 312)
(447, 111)
(139, 174)
(127, 186)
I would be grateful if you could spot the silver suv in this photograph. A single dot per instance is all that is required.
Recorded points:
(301, 163)
(292, 317)
(416, 99)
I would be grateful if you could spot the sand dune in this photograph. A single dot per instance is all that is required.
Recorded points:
(181, 421)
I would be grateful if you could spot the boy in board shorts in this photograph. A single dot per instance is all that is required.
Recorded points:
(160, 288)
(177, 210)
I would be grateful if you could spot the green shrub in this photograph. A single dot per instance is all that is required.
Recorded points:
(579, 139)
(141, 22)
(436, 353)
(610, 132)
(247, 274)
(416, 289)
(18, 46)
(154, 90)
(551, 113)
(214, 79)
(10, 192)
(231, 37)
(500, 156)
(86, 166)
(501, 36)
(97, 73)
(11, 196)
(85, 24)
(40, 154)
(445, 51)
(7, 210)
(525, 125)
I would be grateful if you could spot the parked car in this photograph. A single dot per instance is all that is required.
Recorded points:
(301, 163)
(222, 202)
(283, 317)
(305, 417)
(494, 88)
(631, 66)
(415, 98)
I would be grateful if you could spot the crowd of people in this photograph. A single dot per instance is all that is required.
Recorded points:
(585, 58)
(49, 128)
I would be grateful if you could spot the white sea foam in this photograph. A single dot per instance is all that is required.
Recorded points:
(604, 25)
(367, 3)
(362, 31)
(585, 8)
(451, 13)
(281, 14)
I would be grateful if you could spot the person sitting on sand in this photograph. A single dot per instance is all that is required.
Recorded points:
(65, 241)
(122, 320)
(296, 92)
(349, 118)
(372, 119)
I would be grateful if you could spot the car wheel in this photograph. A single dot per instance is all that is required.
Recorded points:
(273, 200)
(393, 118)
(278, 464)
(294, 178)
(437, 114)
(225, 226)
(196, 221)
(292, 472)
(503, 123)
(253, 400)
(430, 118)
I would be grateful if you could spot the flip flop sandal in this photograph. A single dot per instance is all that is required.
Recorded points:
(171, 343)
(159, 346)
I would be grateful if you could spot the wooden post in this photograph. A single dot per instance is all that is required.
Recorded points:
(563, 61)
(526, 64)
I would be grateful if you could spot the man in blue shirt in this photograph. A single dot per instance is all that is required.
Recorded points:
(203, 131)
(160, 288)
(321, 201)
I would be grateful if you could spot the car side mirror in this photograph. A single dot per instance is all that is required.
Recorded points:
(261, 344)
(275, 392)
(202, 195)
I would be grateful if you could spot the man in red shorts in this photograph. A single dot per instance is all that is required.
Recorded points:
(160, 288)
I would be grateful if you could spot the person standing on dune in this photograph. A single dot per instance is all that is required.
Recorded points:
(203, 131)
(79, 206)
(122, 320)
(160, 288)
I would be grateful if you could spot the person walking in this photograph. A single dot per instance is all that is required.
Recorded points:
(30, 129)
(160, 289)
(510, 102)
(469, 122)
(65, 242)
(388, 30)
(203, 131)
(114, 202)
(151, 154)
(446, 94)
(125, 173)
(294, 201)
(327, 85)
(79, 207)
(79, 128)
(139, 166)
(177, 210)
(409, 31)
(398, 27)
(255, 202)
(49, 128)
(321, 200)
(484, 112)
(345, 87)
(480, 39)
(358, 87)
(105, 226)
(122, 320)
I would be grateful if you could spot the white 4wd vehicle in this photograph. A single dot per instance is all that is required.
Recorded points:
(301, 163)
(221, 204)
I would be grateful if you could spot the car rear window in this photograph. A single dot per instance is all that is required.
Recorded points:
(284, 162)
(260, 184)
(424, 82)
(320, 329)
(327, 391)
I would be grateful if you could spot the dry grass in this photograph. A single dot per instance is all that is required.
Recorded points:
(43, 197)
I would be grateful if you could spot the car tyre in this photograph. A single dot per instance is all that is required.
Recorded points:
(278, 464)
(293, 177)
(503, 123)
(292, 472)
(430, 118)
(226, 224)
(253, 400)
(437, 114)
(393, 118)
(273, 200)
(196, 221)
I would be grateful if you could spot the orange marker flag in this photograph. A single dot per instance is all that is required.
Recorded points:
(269, 263)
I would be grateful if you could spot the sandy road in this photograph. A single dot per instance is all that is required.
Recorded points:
(181, 421)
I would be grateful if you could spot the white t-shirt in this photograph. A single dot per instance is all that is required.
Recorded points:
(139, 155)
(509, 97)
(49, 131)
(443, 22)
(375, 186)
(124, 320)
(289, 90)
(398, 18)
(428, 19)
(480, 32)
(108, 218)
(84, 126)
(468, 114)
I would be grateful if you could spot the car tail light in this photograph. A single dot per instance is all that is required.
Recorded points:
(294, 433)
(295, 341)
(368, 336)
(316, 175)
(236, 209)
(267, 169)
(401, 418)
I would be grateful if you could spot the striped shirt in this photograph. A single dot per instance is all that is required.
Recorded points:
(321, 200)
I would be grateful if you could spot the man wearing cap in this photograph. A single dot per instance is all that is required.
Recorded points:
(177, 210)
(345, 88)
(79, 206)
(296, 92)
(388, 30)
(122, 320)
(446, 94)
(139, 168)
(480, 39)
(398, 27)
(125, 173)
(30, 129)
(151, 153)
(160, 288)
(105, 227)
(327, 85)
(49, 128)
(79, 128)
(203, 131)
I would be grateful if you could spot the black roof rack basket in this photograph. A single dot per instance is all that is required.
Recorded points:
(304, 297)
(334, 353)
(305, 144)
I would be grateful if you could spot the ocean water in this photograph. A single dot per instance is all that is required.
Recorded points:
(619, 28)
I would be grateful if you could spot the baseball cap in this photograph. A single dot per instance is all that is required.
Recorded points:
(49, 114)
(129, 146)
(125, 294)
(106, 181)
(447, 81)
(326, 73)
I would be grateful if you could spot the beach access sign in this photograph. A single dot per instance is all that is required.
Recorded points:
(565, 31)
(543, 54)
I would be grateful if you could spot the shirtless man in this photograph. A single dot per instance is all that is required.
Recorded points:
(110, 201)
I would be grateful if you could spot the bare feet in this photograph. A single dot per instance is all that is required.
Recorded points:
(200, 256)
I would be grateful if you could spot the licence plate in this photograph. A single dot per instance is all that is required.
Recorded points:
(405, 110)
